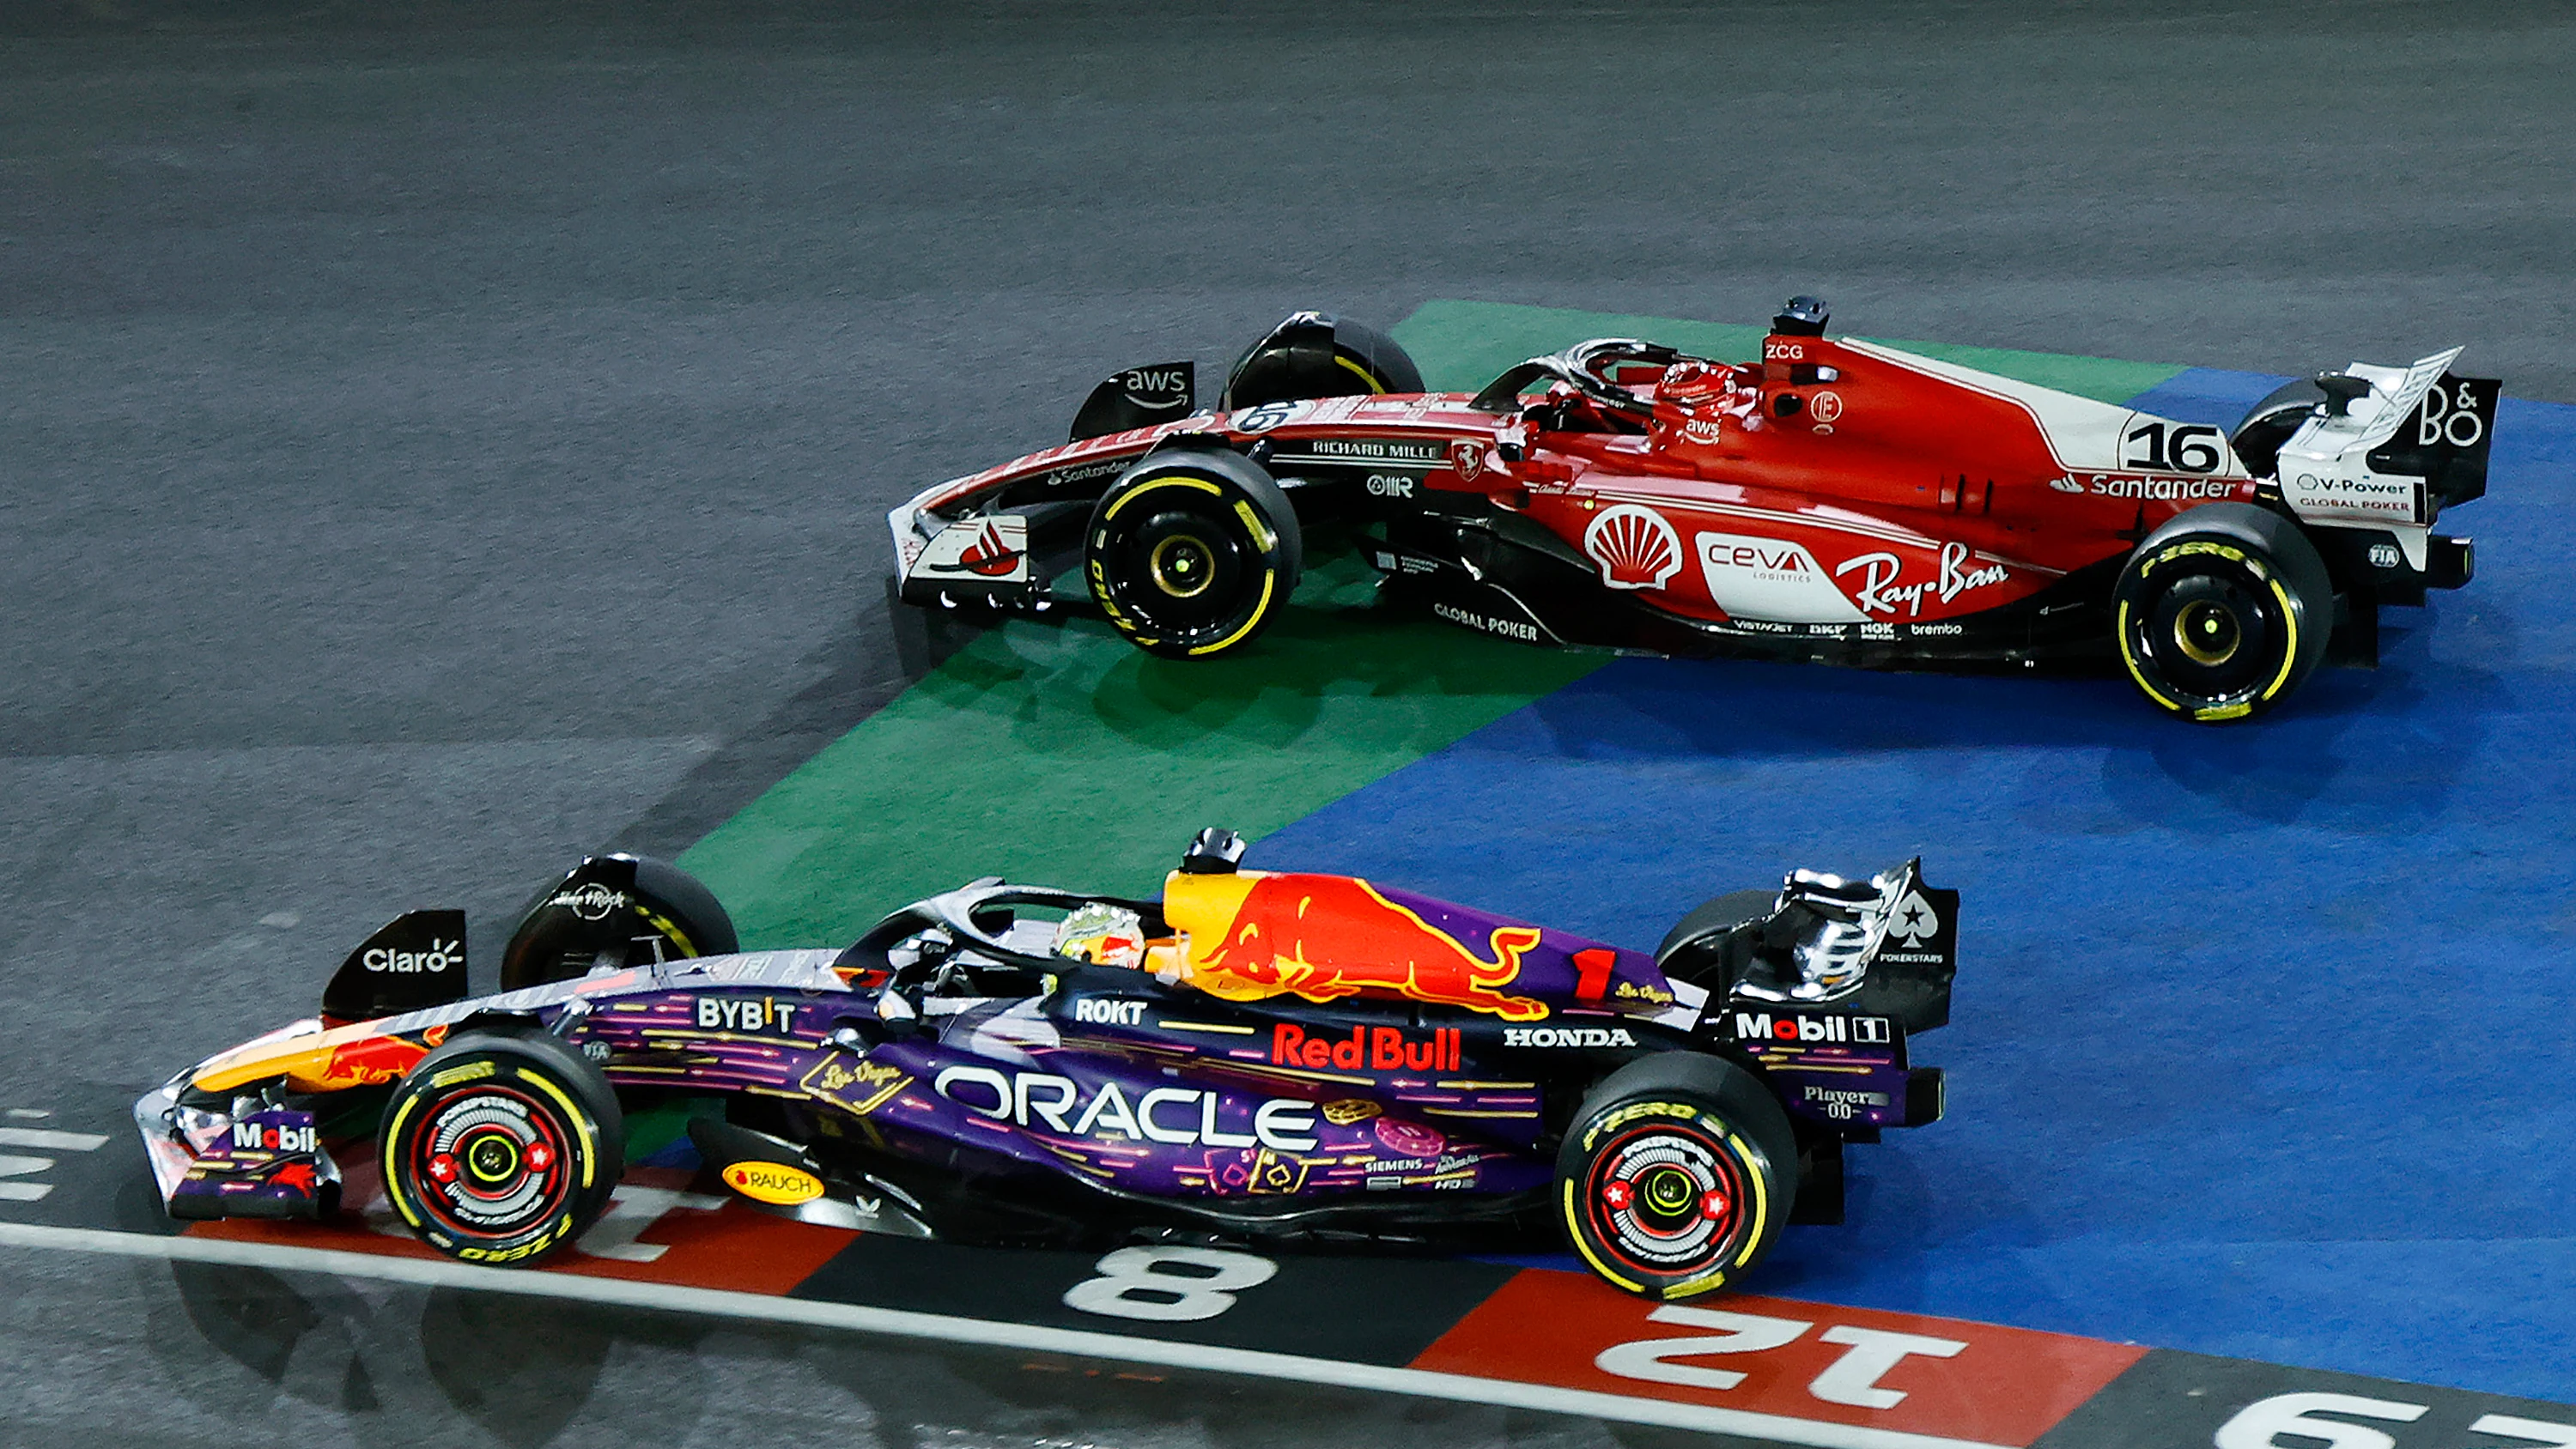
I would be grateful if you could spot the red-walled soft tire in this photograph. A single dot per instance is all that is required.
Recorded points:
(1677, 1176)
(502, 1148)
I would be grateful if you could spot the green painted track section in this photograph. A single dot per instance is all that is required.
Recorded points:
(1054, 753)
(1057, 754)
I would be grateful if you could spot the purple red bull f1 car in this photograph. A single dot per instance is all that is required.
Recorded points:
(1278, 1058)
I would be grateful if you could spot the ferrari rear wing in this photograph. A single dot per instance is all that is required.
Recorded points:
(2389, 448)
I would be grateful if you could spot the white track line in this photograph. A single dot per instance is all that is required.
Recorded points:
(612, 1292)
(52, 1141)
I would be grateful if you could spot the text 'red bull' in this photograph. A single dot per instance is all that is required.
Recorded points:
(1325, 937)
(1374, 1049)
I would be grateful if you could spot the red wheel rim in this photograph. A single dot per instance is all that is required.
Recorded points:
(489, 1162)
(1664, 1200)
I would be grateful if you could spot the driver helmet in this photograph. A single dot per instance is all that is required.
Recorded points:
(1102, 934)
(1690, 382)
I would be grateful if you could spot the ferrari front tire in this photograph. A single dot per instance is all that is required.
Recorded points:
(502, 1148)
(1193, 553)
(2223, 612)
(1676, 1176)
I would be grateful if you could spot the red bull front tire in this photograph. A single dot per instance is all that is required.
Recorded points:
(1677, 1176)
(501, 1149)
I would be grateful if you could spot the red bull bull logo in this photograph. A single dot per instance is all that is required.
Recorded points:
(1326, 937)
(373, 1061)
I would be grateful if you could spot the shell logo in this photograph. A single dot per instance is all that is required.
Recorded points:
(773, 1182)
(1635, 547)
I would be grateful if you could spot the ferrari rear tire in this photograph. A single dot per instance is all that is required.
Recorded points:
(501, 1148)
(1193, 553)
(2270, 423)
(1676, 1176)
(1312, 355)
(2223, 612)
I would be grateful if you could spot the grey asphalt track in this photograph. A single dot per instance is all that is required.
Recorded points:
(437, 440)
(302, 1359)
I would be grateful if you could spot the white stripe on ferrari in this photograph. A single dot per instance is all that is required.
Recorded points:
(440, 1273)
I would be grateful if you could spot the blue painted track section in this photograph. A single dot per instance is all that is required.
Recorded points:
(2264, 1040)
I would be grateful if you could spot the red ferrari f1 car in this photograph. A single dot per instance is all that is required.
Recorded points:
(1837, 500)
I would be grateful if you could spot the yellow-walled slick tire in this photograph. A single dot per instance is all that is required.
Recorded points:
(2223, 612)
(1192, 553)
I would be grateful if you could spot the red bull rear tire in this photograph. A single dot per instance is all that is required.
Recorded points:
(1193, 553)
(1677, 1176)
(1695, 949)
(502, 1149)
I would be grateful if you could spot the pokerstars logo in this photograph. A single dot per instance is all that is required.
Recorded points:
(1915, 920)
